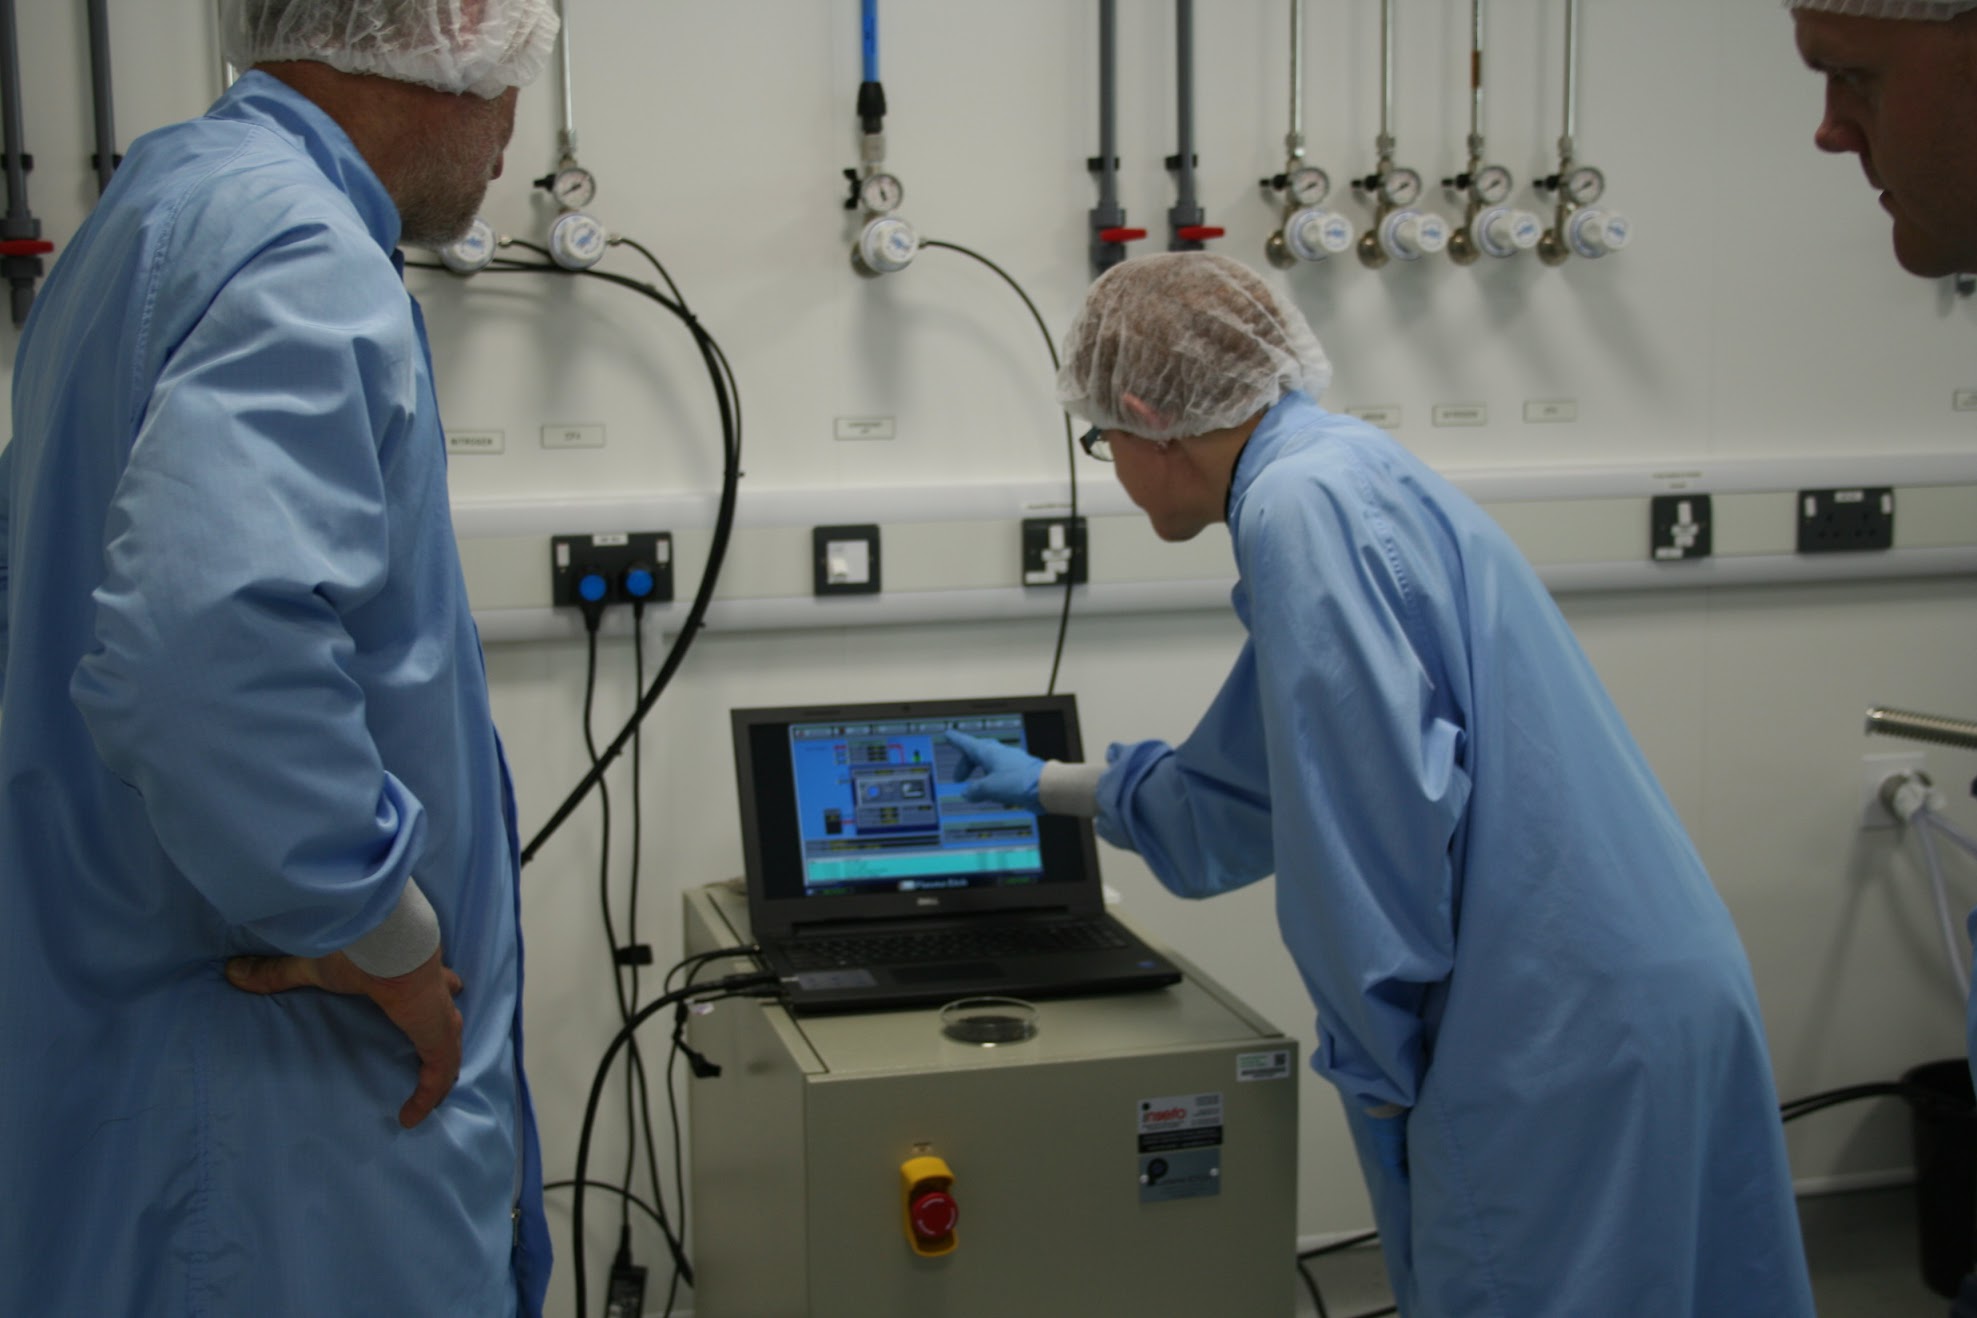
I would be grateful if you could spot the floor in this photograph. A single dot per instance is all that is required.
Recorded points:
(1862, 1249)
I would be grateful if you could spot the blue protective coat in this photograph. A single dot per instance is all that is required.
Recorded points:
(1531, 999)
(243, 701)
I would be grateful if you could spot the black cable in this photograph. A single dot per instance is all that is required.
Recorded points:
(727, 987)
(637, 1202)
(1350, 1242)
(1917, 1094)
(1312, 1286)
(727, 397)
(1070, 451)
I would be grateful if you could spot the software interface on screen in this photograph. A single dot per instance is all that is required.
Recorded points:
(879, 809)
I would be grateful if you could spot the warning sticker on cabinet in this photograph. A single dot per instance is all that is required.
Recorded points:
(1189, 1121)
(1180, 1147)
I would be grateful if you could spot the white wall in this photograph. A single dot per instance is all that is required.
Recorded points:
(1758, 315)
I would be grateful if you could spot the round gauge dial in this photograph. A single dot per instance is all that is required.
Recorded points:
(1492, 185)
(574, 187)
(1585, 185)
(881, 193)
(1308, 185)
(1400, 187)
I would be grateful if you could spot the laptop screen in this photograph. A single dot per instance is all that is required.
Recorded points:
(858, 812)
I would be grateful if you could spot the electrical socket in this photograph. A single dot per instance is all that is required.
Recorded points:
(1053, 546)
(1876, 770)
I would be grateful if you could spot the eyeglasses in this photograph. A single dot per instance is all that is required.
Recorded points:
(1096, 445)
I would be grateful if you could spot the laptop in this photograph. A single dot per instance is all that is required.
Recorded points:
(872, 882)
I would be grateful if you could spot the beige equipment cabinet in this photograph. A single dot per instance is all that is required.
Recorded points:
(798, 1206)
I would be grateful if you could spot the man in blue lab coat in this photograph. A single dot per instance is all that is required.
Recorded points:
(1530, 998)
(1901, 93)
(255, 827)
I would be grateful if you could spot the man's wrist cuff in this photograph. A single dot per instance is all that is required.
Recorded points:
(400, 945)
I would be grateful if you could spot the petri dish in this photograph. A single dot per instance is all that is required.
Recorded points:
(989, 1021)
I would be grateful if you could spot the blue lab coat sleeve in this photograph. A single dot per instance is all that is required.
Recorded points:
(249, 522)
(1200, 815)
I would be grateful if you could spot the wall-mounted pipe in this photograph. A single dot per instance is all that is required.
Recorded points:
(1400, 231)
(1186, 229)
(886, 243)
(1922, 727)
(1490, 226)
(1579, 226)
(21, 244)
(1308, 231)
(1109, 234)
(106, 159)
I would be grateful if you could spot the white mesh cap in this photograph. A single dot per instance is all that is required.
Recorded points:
(1200, 338)
(460, 46)
(1924, 9)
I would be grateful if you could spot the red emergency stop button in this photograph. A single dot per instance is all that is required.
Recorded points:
(934, 1215)
(931, 1212)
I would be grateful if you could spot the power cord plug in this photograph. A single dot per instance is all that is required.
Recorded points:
(625, 1297)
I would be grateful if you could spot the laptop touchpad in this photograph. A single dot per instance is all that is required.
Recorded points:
(946, 970)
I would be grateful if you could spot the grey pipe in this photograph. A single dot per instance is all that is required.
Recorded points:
(1922, 727)
(569, 139)
(21, 272)
(1386, 79)
(1108, 131)
(1184, 53)
(1571, 79)
(1294, 139)
(10, 86)
(99, 79)
(1476, 79)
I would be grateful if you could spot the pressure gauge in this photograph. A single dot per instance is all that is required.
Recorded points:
(1491, 185)
(574, 187)
(472, 250)
(1400, 187)
(576, 241)
(881, 193)
(1584, 186)
(886, 246)
(1308, 185)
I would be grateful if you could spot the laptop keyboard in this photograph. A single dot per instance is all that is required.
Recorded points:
(952, 944)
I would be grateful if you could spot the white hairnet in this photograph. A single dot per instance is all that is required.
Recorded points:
(1935, 9)
(1198, 337)
(477, 46)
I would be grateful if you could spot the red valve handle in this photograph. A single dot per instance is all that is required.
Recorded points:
(1121, 235)
(26, 247)
(1194, 233)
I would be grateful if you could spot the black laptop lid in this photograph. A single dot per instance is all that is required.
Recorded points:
(855, 812)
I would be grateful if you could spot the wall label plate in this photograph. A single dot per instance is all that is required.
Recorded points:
(1461, 414)
(1384, 415)
(865, 427)
(476, 441)
(569, 436)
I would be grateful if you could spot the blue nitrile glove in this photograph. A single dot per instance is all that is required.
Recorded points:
(995, 772)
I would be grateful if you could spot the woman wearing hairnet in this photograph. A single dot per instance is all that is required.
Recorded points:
(1530, 998)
